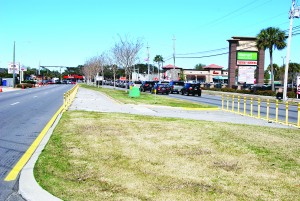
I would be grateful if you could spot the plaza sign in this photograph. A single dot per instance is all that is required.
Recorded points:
(247, 58)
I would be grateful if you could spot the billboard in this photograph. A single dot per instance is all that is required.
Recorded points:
(247, 58)
(246, 74)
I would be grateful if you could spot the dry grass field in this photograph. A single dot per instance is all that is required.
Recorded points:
(102, 156)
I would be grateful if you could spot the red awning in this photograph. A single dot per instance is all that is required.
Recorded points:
(213, 66)
(73, 77)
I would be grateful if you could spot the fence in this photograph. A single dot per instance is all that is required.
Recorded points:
(270, 110)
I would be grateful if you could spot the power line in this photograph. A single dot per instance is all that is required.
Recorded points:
(214, 55)
(202, 52)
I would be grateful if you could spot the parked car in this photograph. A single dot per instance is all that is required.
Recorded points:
(192, 89)
(147, 85)
(161, 88)
(176, 86)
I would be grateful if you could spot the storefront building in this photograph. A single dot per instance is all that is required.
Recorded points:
(210, 74)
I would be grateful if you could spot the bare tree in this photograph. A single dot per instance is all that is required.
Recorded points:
(125, 53)
(87, 71)
(110, 63)
(93, 67)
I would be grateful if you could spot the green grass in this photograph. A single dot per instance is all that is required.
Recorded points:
(111, 156)
(147, 98)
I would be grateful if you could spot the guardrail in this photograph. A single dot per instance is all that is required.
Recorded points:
(272, 111)
(69, 97)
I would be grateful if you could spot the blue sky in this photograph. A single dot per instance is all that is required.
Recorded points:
(68, 32)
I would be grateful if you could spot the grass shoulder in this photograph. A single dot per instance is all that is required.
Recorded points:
(114, 156)
(147, 98)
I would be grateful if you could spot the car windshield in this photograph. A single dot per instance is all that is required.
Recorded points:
(163, 85)
(178, 83)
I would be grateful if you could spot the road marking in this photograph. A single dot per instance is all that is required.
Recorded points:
(12, 175)
(34, 96)
(15, 103)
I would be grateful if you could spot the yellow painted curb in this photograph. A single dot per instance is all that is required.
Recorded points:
(201, 109)
(12, 175)
(18, 167)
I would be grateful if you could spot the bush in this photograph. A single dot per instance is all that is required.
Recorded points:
(228, 90)
(25, 85)
(29, 81)
(291, 94)
(243, 91)
(265, 93)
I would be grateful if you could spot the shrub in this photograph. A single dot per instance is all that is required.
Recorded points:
(291, 94)
(29, 81)
(265, 93)
(228, 90)
(25, 85)
(243, 91)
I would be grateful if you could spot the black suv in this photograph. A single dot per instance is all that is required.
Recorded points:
(192, 89)
(147, 85)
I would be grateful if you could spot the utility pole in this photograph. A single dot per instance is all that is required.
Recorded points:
(14, 65)
(174, 57)
(148, 61)
(293, 13)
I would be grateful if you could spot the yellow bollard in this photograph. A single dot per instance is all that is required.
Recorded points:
(287, 113)
(251, 107)
(239, 100)
(268, 109)
(245, 104)
(276, 115)
(298, 115)
(232, 106)
(258, 108)
(227, 102)
(222, 101)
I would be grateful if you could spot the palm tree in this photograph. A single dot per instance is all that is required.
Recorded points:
(271, 38)
(294, 69)
(159, 59)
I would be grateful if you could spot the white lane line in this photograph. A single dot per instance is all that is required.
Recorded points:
(15, 103)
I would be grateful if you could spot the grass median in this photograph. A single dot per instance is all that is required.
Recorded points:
(112, 156)
(148, 98)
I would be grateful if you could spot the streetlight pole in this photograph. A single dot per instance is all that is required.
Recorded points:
(292, 15)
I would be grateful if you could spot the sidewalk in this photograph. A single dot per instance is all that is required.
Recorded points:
(90, 100)
(8, 89)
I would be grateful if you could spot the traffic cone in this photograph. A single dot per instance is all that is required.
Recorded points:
(22, 86)
(0, 89)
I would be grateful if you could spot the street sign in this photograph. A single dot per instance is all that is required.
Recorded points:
(11, 68)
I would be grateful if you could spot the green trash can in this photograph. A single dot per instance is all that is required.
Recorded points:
(134, 92)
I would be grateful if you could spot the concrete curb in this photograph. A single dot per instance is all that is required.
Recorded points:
(28, 187)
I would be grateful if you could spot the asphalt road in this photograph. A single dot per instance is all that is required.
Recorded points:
(23, 115)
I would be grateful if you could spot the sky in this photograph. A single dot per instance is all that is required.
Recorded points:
(69, 32)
